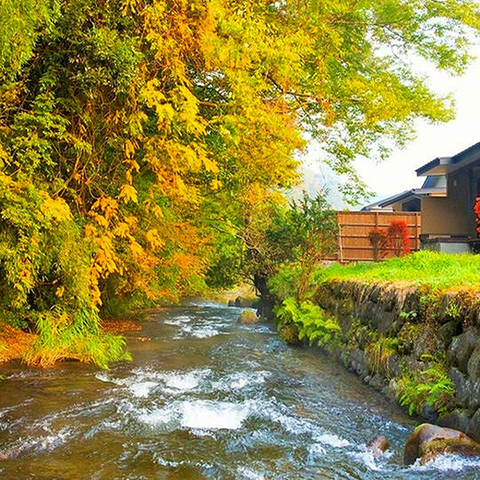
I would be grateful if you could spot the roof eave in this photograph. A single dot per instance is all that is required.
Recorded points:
(437, 166)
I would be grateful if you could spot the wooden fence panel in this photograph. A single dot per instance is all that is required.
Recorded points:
(354, 227)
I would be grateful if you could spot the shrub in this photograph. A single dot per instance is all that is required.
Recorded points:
(431, 387)
(398, 237)
(379, 241)
(284, 283)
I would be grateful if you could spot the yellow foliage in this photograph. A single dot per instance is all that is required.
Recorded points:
(154, 240)
(122, 230)
(128, 193)
(129, 148)
(55, 209)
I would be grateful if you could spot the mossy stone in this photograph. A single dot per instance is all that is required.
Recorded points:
(427, 441)
(248, 317)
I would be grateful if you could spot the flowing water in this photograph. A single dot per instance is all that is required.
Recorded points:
(204, 397)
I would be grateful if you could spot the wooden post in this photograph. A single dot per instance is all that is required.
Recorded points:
(417, 234)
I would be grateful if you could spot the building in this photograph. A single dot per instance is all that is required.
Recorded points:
(410, 200)
(449, 221)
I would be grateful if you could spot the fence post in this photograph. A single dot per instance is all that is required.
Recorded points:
(417, 234)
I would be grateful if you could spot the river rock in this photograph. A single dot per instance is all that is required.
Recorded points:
(458, 419)
(246, 302)
(378, 446)
(248, 317)
(427, 441)
(359, 362)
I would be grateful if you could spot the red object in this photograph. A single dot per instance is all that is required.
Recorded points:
(476, 209)
(398, 237)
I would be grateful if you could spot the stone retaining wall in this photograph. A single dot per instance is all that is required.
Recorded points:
(426, 329)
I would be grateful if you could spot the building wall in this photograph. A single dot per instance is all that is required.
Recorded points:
(450, 215)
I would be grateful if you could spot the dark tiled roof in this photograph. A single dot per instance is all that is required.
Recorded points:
(443, 165)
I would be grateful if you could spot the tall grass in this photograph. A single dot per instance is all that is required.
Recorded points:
(75, 338)
(421, 268)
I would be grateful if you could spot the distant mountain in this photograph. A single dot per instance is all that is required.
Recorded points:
(319, 178)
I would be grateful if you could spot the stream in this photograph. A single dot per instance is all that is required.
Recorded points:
(204, 397)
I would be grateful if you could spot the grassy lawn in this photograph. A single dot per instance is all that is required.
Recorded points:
(421, 268)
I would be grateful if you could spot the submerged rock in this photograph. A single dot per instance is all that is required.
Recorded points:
(427, 441)
(248, 317)
(378, 446)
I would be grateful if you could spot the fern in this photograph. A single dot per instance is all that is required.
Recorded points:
(431, 387)
(311, 321)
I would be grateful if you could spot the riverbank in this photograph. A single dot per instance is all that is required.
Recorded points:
(409, 327)
(15, 343)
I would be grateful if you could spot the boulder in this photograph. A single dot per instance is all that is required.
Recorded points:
(378, 446)
(248, 317)
(473, 365)
(359, 362)
(446, 333)
(461, 348)
(428, 441)
(246, 302)
(462, 385)
(458, 419)
(473, 428)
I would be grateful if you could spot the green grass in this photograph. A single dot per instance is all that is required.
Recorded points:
(437, 270)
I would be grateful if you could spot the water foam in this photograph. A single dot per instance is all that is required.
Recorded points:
(292, 424)
(205, 332)
(143, 382)
(142, 389)
(158, 417)
(196, 331)
(250, 474)
(180, 320)
(184, 381)
(206, 414)
(240, 380)
(315, 451)
(367, 458)
(447, 463)
(198, 415)
(38, 444)
(167, 463)
(332, 440)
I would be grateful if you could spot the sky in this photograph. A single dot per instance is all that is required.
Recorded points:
(397, 173)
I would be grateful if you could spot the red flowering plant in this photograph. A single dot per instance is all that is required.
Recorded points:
(398, 237)
(476, 209)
